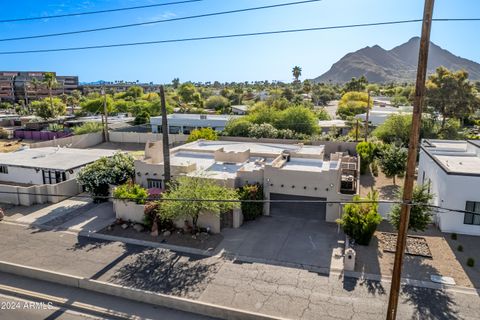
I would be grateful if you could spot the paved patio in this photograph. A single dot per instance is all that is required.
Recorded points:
(284, 239)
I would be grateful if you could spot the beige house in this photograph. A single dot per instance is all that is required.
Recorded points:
(288, 172)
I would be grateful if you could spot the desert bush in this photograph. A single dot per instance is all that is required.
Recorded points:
(251, 210)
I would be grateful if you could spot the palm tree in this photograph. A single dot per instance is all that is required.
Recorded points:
(51, 83)
(297, 72)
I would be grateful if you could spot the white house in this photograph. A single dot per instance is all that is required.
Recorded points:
(452, 170)
(286, 171)
(38, 175)
(239, 109)
(339, 125)
(185, 123)
(378, 115)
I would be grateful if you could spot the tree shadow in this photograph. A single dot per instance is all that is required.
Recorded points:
(427, 303)
(165, 272)
(89, 244)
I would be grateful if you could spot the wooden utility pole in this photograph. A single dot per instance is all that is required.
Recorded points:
(411, 160)
(105, 113)
(166, 150)
(356, 131)
(366, 117)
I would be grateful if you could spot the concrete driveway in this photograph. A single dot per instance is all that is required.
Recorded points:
(284, 239)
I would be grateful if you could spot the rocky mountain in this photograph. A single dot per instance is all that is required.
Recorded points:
(398, 64)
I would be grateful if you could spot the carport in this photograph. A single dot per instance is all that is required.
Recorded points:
(304, 210)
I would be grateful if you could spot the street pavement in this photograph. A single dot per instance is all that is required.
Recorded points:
(94, 305)
(259, 287)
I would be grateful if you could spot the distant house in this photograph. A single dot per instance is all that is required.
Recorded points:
(37, 175)
(240, 109)
(340, 126)
(452, 171)
(185, 123)
(378, 115)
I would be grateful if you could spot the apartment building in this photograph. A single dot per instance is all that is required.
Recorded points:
(27, 85)
(452, 171)
(286, 171)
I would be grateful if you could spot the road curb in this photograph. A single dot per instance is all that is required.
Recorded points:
(410, 282)
(62, 303)
(172, 302)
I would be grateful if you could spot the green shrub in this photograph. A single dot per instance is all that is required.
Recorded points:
(454, 236)
(470, 262)
(88, 127)
(131, 192)
(251, 210)
(202, 133)
(420, 213)
(264, 130)
(460, 248)
(238, 127)
(97, 177)
(366, 150)
(55, 127)
(360, 220)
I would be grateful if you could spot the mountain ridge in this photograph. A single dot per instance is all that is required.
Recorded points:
(398, 64)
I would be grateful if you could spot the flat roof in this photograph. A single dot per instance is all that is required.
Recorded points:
(460, 164)
(330, 123)
(254, 147)
(196, 116)
(53, 158)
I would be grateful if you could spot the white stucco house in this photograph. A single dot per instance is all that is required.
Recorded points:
(378, 115)
(452, 170)
(37, 175)
(185, 123)
(286, 171)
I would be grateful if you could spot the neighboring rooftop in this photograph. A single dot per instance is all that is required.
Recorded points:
(454, 156)
(332, 123)
(53, 158)
(192, 116)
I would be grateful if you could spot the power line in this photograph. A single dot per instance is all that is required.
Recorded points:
(98, 11)
(393, 202)
(158, 21)
(238, 35)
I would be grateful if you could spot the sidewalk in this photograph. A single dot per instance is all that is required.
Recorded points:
(257, 287)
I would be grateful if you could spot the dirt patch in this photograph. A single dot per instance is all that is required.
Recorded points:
(11, 145)
(385, 187)
(445, 259)
(416, 246)
(201, 241)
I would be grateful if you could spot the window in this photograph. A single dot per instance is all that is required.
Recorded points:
(159, 129)
(52, 176)
(474, 216)
(154, 183)
(174, 129)
(3, 169)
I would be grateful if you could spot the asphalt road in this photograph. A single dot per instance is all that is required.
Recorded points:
(16, 305)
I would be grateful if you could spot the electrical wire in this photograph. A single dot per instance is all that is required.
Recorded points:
(238, 35)
(98, 11)
(362, 201)
(158, 21)
(227, 36)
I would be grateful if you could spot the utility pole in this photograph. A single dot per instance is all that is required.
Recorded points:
(356, 131)
(366, 118)
(411, 160)
(105, 113)
(166, 150)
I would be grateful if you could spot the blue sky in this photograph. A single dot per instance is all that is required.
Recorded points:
(237, 59)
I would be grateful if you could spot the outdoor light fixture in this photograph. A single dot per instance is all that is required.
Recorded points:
(281, 186)
(139, 174)
(293, 187)
(331, 185)
(271, 184)
(315, 188)
(305, 187)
